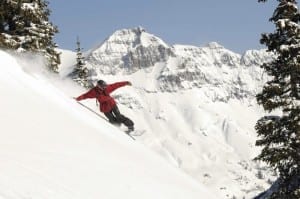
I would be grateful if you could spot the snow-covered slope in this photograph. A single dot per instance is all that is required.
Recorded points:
(52, 148)
(197, 105)
(68, 60)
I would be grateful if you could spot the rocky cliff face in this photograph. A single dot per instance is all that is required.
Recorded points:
(216, 69)
(127, 51)
(213, 68)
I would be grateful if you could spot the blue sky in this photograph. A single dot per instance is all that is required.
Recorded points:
(235, 24)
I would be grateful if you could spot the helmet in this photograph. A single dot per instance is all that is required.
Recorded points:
(101, 83)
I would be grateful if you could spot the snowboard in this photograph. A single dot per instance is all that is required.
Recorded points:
(135, 132)
(130, 133)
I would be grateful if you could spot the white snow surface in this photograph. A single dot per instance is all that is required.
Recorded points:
(53, 148)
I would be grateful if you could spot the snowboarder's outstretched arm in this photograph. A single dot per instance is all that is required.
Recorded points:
(90, 94)
(111, 87)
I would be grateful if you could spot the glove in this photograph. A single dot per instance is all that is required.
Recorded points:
(129, 83)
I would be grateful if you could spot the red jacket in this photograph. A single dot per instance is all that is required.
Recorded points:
(106, 101)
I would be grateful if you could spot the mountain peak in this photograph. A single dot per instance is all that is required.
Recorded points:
(129, 38)
(135, 37)
(139, 29)
(129, 49)
(214, 45)
(129, 31)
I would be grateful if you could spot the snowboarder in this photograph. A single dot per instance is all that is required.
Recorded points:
(107, 104)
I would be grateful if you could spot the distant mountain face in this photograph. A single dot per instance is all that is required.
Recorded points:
(127, 51)
(212, 67)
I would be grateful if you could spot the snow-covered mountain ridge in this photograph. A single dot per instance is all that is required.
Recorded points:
(129, 50)
(214, 68)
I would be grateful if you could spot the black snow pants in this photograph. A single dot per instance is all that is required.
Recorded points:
(115, 117)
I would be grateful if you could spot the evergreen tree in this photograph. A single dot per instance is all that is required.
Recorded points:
(280, 135)
(80, 73)
(25, 26)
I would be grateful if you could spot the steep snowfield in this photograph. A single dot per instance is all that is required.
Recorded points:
(52, 148)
